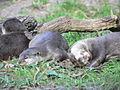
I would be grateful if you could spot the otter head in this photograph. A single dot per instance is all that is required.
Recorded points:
(80, 54)
(13, 25)
(29, 56)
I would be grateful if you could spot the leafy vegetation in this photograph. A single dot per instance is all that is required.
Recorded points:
(37, 3)
(51, 74)
(48, 74)
(75, 9)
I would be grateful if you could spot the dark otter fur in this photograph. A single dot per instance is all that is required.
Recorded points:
(11, 45)
(13, 41)
(94, 51)
(13, 25)
(48, 44)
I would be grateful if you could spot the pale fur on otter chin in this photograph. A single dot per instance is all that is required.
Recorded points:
(81, 52)
(31, 60)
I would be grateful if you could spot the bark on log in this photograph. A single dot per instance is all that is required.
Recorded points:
(65, 23)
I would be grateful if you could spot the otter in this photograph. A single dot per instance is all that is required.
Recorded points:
(13, 25)
(13, 40)
(11, 45)
(43, 46)
(92, 52)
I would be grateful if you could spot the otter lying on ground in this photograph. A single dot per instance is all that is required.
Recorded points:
(13, 41)
(94, 51)
(43, 46)
(11, 45)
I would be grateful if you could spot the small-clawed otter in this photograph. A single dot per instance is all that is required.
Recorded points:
(13, 25)
(11, 45)
(94, 51)
(47, 44)
(13, 41)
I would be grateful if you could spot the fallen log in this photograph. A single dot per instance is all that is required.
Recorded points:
(65, 23)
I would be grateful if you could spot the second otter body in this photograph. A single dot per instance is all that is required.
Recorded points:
(11, 45)
(48, 44)
(94, 51)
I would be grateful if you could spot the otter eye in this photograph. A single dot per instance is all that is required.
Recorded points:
(25, 57)
(38, 53)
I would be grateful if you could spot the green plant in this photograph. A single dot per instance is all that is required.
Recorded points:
(39, 3)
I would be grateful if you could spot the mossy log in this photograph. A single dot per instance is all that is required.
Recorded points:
(65, 23)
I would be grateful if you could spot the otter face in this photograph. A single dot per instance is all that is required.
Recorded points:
(29, 56)
(13, 25)
(80, 53)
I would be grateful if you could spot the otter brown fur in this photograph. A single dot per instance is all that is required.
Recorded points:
(11, 45)
(48, 44)
(94, 51)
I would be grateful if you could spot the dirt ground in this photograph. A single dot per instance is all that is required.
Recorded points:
(20, 8)
(13, 8)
